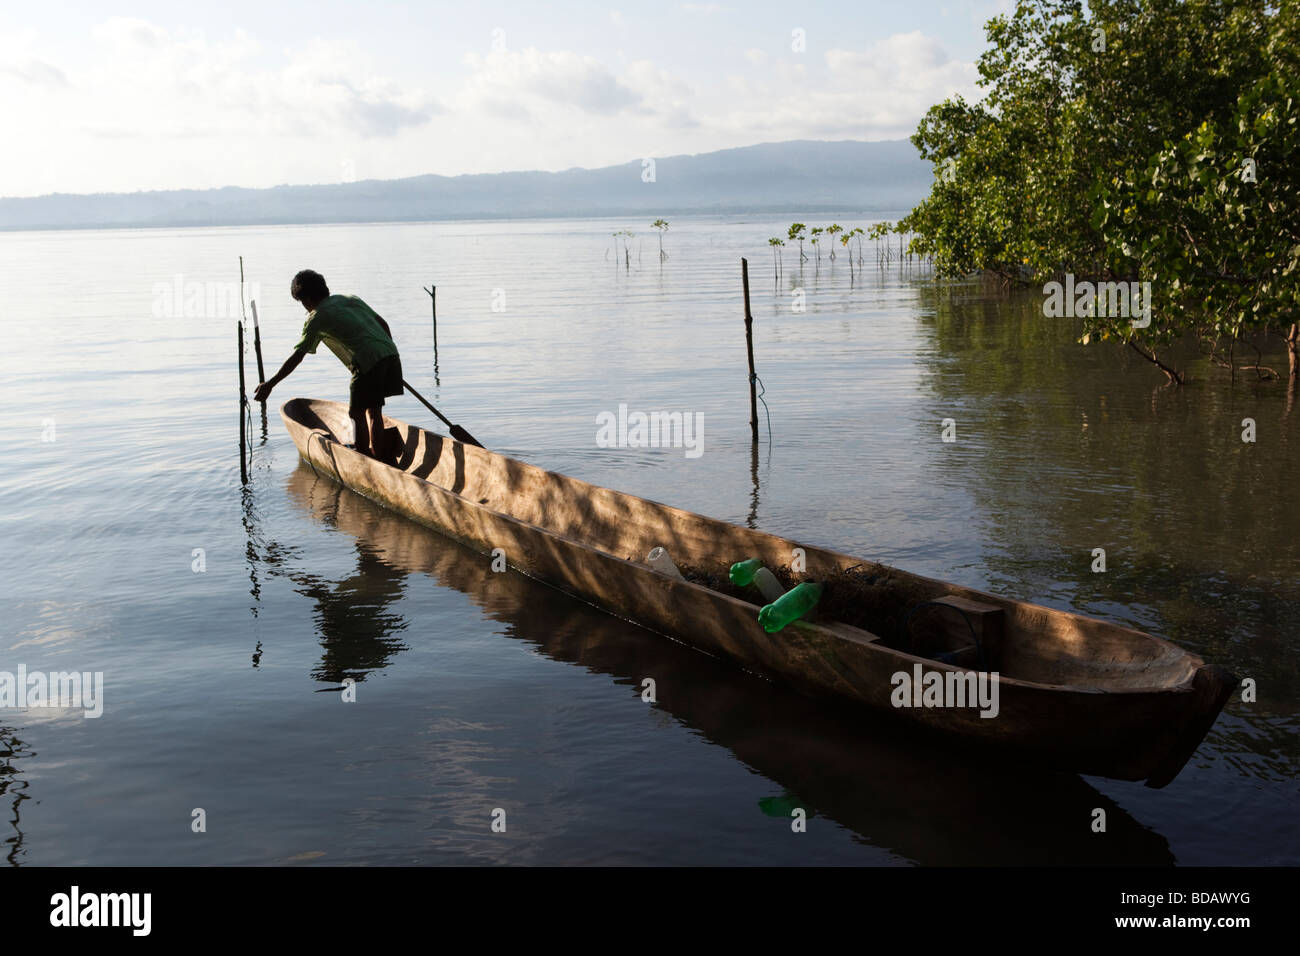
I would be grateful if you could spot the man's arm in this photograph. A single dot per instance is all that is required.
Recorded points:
(292, 362)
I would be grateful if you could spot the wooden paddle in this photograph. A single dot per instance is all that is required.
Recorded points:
(458, 433)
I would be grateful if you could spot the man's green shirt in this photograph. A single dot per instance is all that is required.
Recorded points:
(352, 331)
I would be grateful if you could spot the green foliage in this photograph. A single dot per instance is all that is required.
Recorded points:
(1111, 143)
(1213, 219)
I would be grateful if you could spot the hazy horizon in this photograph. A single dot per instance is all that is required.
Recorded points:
(502, 172)
(809, 176)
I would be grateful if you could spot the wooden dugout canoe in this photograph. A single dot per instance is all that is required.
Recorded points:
(1074, 693)
(920, 810)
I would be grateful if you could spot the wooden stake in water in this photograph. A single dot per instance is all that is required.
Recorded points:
(243, 439)
(257, 345)
(749, 348)
(433, 304)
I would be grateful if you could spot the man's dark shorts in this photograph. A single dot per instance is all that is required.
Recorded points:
(371, 387)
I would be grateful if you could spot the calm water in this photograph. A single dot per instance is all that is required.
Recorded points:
(478, 690)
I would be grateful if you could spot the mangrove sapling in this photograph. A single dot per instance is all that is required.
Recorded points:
(662, 226)
(833, 230)
(796, 235)
(776, 245)
(625, 235)
(814, 236)
(879, 234)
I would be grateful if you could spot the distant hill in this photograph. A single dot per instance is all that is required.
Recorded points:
(771, 177)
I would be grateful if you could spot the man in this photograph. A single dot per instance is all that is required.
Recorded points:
(361, 340)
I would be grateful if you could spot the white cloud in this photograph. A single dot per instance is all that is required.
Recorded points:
(900, 63)
(316, 86)
(129, 33)
(159, 84)
(35, 73)
(21, 65)
(876, 93)
(148, 107)
(514, 84)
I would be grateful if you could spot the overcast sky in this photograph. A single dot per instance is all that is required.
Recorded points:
(164, 95)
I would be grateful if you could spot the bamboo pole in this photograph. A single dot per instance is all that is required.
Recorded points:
(243, 438)
(749, 348)
(261, 372)
(257, 345)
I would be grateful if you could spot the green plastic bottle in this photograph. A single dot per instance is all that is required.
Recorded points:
(742, 572)
(751, 571)
(791, 606)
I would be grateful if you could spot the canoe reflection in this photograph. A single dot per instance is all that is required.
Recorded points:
(893, 788)
(358, 631)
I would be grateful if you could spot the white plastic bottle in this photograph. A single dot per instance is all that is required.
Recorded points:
(768, 585)
(659, 560)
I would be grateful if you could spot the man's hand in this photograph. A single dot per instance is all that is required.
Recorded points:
(263, 391)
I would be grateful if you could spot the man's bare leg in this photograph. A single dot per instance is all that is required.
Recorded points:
(361, 431)
(377, 443)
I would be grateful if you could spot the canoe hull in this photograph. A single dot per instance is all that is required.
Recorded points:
(1133, 734)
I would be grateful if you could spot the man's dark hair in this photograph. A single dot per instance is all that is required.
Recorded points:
(310, 286)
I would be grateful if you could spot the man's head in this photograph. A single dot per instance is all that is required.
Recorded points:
(309, 288)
